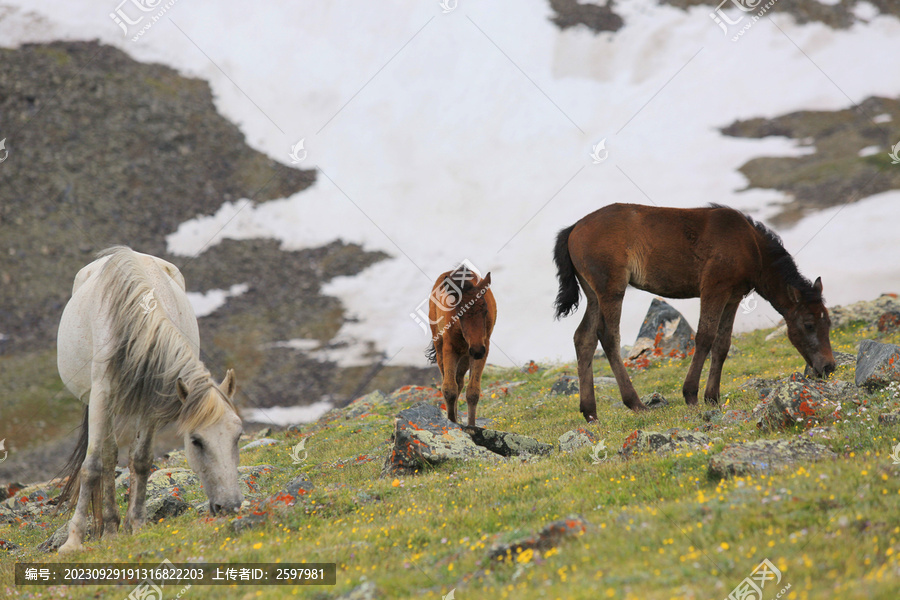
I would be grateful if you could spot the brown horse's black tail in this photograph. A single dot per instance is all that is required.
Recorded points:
(72, 467)
(431, 354)
(569, 294)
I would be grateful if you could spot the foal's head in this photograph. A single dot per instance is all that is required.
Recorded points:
(472, 311)
(808, 325)
(212, 429)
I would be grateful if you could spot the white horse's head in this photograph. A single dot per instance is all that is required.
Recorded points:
(211, 430)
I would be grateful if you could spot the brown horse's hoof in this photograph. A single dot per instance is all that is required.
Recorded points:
(639, 407)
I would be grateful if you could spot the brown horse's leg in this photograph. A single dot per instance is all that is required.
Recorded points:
(711, 310)
(585, 346)
(449, 386)
(719, 353)
(611, 309)
(473, 392)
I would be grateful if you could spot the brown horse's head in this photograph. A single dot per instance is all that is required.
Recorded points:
(808, 325)
(472, 311)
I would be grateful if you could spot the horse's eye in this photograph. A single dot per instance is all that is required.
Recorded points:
(198, 443)
(809, 327)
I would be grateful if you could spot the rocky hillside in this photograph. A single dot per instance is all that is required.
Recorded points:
(674, 503)
(105, 150)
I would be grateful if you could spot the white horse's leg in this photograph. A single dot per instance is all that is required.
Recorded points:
(139, 466)
(92, 467)
(108, 483)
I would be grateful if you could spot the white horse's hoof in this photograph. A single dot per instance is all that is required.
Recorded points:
(70, 547)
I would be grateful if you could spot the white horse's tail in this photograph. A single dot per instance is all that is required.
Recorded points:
(72, 468)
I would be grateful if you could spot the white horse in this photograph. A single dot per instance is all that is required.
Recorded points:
(129, 348)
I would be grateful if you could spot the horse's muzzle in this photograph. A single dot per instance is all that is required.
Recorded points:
(824, 373)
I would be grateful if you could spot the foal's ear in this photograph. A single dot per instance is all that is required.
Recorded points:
(182, 390)
(794, 294)
(229, 384)
(486, 281)
(818, 285)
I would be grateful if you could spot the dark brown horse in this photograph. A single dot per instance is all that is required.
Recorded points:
(716, 253)
(462, 313)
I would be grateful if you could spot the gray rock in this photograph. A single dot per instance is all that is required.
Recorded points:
(868, 311)
(655, 400)
(507, 444)
(765, 455)
(640, 442)
(574, 439)
(664, 333)
(299, 486)
(261, 443)
(605, 381)
(248, 521)
(800, 400)
(842, 359)
(889, 322)
(424, 437)
(8, 546)
(165, 505)
(566, 385)
(57, 538)
(551, 536)
(877, 365)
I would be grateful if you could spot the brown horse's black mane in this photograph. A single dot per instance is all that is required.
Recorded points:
(782, 262)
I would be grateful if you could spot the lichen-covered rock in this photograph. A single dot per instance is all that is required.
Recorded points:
(664, 333)
(423, 437)
(764, 455)
(507, 444)
(566, 385)
(800, 400)
(654, 441)
(409, 395)
(581, 437)
(877, 365)
(550, 536)
(8, 546)
(59, 537)
(655, 400)
(889, 322)
(869, 311)
(366, 404)
(165, 504)
(164, 480)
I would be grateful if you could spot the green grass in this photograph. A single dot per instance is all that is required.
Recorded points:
(660, 527)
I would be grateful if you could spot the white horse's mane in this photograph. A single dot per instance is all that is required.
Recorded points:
(150, 353)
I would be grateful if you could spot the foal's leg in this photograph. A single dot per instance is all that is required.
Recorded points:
(139, 466)
(473, 392)
(711, 314)
(719, 353)
(110, 523)
(608, 331)
(449, 386)
(91, 468)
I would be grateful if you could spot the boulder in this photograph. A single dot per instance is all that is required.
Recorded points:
(877, 365)
(889, 322)
(507, 444)
(565, 386)
(59, 537)
(664, 333)
(868, 311)
(764, 455)
(800, 400)
(550, 536)
(581, 437)
(8, 546)
(655, 400)
(165, 504)
(654, 441)
(424, 437)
